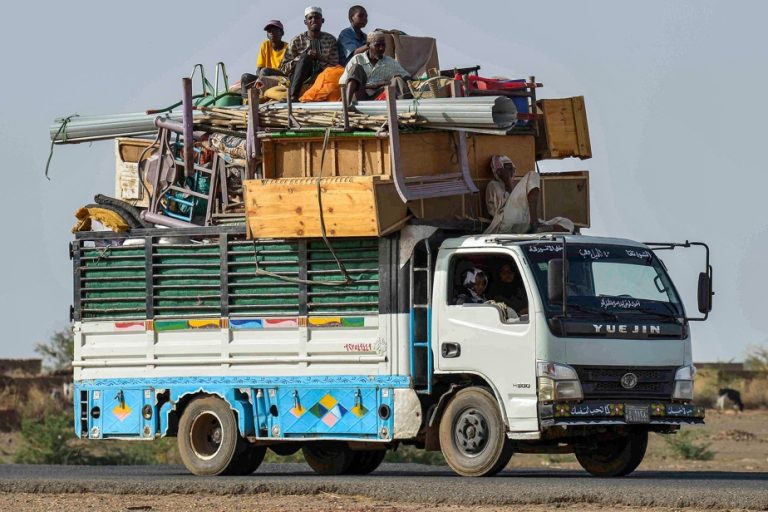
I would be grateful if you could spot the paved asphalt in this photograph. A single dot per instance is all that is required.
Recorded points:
(411, 483)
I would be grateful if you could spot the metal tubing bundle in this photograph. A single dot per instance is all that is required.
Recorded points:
(489, 112)
(476, 112)
(88, 128)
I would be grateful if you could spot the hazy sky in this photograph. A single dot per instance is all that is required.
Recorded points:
(676, 95)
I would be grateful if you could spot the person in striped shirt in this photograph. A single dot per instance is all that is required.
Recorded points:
(309, 52)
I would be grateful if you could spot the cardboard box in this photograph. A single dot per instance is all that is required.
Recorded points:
(127, 185)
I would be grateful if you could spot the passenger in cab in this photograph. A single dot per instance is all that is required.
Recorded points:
(508, 288)
(474, 282)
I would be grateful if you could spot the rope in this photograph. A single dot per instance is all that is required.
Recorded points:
(342, 269)
(62, 128)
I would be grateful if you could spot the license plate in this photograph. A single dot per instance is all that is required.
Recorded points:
(637, 414)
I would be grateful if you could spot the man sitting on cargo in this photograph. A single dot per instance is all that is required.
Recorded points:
(352, 40)
(514, 202)
(309, 52)
(367, 73)
(270, 56)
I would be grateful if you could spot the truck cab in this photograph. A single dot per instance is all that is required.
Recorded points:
(595, 356)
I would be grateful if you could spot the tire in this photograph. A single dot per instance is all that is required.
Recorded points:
(615, 457)
(208, 437)
(285, 449)
(247, 459)
(473, 436)
(328, 458)
(365, 461)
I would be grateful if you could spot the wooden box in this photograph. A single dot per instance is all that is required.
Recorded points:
(566, 194)
(127, 185)
(421, 154)
(564, 131)
(352, 206)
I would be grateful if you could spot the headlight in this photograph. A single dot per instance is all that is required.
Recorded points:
(555, 371)
(684, 383)
(685, 373)
(557, 382)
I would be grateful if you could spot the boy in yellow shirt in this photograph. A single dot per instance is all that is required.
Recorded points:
(270, 56)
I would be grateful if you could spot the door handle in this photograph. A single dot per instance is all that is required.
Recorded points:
(450, 349)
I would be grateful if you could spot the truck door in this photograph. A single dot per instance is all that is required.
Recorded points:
(477, 334)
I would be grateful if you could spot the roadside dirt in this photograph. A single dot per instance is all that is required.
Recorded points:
(317, 503)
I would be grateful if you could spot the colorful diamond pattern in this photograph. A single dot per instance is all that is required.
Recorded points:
(329, 414)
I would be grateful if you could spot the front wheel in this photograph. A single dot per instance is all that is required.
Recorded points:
(615, 457)
(473, 435)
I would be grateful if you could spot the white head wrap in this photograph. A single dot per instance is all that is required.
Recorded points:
(311, 9)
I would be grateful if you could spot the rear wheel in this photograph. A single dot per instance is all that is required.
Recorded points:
(473, 436)
(365, 461)
(208, 437)
(614, 457)
(247, 459)
(328, 458)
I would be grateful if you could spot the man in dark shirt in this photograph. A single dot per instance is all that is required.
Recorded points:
(309, 52)
(352, 40)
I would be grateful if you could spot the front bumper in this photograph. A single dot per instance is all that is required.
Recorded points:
(608, 412)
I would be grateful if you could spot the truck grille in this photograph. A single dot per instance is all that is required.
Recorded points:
(605, 383)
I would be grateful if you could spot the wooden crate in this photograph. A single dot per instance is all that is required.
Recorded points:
(564, 131)
(127, 185)
(421, 154)
(566, 194)
(352, 206)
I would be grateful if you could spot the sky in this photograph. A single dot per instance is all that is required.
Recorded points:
(676, 95)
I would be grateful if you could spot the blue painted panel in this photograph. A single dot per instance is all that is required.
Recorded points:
(327, 406)
(121, 412)
(331, 411)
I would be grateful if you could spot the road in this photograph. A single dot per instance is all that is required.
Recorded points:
(410, 483)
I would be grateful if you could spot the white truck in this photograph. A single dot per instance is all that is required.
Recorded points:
(236, 346)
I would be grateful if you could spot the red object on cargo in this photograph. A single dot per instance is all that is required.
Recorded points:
(494, 84)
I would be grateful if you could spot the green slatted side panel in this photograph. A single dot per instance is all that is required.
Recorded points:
(253, 293)
(361, 259)
(187, 280)
(112, 283)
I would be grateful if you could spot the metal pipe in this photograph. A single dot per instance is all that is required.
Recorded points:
(186, 110)
(88, 128)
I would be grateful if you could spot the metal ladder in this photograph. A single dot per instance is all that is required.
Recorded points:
(420, 321)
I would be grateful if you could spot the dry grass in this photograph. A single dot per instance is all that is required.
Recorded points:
(754, 392)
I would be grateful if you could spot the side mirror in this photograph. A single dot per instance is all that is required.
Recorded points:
(555, 280)
(704, 293)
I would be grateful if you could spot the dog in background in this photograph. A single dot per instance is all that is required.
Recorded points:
(729, 399)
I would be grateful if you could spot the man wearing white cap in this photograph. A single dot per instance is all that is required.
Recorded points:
(309, 52)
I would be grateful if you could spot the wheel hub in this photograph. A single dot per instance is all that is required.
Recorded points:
(206, 435)
(471, 432)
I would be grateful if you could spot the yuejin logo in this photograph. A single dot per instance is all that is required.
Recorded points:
(628, 380)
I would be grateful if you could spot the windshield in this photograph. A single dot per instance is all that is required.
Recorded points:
(610, 282)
